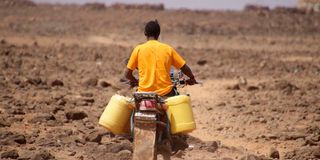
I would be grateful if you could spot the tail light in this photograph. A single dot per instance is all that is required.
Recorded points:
(148, 105)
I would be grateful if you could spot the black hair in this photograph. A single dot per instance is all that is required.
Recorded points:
(152, 29)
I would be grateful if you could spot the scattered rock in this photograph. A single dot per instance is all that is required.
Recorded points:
(117, 147)
(71, 153)
(25, 154)
(43, 155)
(56, 82)
(12, 154)
(41, 117)
(4, 123)
(34, 80)
(94, 137)
(76, 115)
(21, 139)
(262, 120)
(86, 94)
(3, 41)
(234, 87)
(90, 82)
(104, 84)
(316, 153)
(239, 106)
(88, 100)
(274, 153)
(61, 102)
(124, 154)
(285, 87)
(221, 104)
(254, 102)
(226, 158)
(303, 153)
(80, 140)
(294, 136)
(202, 62)
(212, 146)
(252, 88)
(242, 81)
(251, 157)
(16, 111)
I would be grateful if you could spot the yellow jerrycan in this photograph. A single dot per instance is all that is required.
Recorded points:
(116, 116)
(180, 114)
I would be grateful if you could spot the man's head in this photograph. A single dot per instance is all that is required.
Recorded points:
(152, 29)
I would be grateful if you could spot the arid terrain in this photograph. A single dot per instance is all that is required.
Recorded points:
(60, 65)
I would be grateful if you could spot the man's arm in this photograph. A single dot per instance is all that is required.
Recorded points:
(187, 71)
(131, 78)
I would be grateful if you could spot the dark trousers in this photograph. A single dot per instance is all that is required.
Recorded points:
(172, 93)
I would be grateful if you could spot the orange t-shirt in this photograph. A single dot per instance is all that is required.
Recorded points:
(153, 61)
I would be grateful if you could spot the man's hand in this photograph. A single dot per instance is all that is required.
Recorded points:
(191, 81)
(187, 71)
(134, 83)
(132, 80)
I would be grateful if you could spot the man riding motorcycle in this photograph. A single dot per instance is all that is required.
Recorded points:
(153, 60)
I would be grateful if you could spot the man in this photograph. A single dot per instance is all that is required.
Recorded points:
(153, 61)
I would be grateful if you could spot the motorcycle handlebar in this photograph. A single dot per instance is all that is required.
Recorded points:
(187, 82)
(182, 82)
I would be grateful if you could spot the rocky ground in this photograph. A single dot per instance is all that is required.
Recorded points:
(61, 64)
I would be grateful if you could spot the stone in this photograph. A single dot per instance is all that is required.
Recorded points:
(21, 139)
(117, 147)
(3, 41)
(202, 62)
(124, 154)
(43, 155)
(56, 82)
(226, 158)
(4, 123)
(274, 153)
(25, 154)
(16, 111)
(252, 88)
(71, 153)
(238, 106)
(262, 120)
(234, 87)
(61, 102)
(80, 140)
(294, 136)
(12, 154)
(76, 115)
(86, 94)
(221, 104)
(212, 146)
(251, 157)
(90, 82)
(34, 80)
(242, 81)
(104, 84)
(88, 100)
(41, 117)
(316, 153)
(254, 102)
(94, 137)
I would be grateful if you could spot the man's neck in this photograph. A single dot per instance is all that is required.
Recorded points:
(151, 38)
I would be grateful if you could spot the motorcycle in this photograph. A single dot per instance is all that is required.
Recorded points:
(150, 126)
